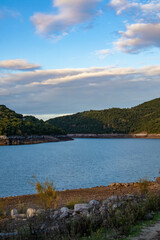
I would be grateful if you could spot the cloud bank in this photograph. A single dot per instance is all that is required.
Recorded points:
(71, 90)
(70, 13)
(150, 9)
(138, 37)
(18, 64)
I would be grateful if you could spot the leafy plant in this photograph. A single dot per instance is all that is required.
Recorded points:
(144, 185)
(46, 192)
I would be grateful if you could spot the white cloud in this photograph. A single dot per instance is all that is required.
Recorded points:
(5, 12)
(58, 77)
(149, 9)
(103, 53)
(122, 5)
(18, 64)
(71, 90)
(70, 13)
(139, 37)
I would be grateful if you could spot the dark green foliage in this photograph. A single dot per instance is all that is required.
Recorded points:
(12, 124)
(142, 118)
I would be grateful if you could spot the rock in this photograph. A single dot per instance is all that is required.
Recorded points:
(56, 214)
(65, 212)
(81, 207)
(148, 216)
(110, 201)
(40, 211)
(85, 213)
(64, 209)
(94, 203)
(31, 212)
(103, 210)
(129, 197)
(14, 213)
(64, 215)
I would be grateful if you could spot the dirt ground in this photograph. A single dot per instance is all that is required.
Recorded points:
(81, 195)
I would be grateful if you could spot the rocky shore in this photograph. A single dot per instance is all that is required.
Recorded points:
(112, 206)
(114, 135)
(20, 140)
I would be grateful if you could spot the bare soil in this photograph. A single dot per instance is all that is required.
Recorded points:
(81, 195)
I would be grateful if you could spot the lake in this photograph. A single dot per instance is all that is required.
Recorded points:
(77, 164)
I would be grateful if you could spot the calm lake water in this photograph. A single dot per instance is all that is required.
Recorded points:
(77, 164)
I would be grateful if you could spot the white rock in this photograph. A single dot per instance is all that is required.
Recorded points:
(94, 203)
(31, 212)
(14, 213)
(81, 207)
(64, 210)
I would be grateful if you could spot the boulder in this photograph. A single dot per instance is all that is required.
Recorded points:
(82, 207)
(40, 211)
(14, 213)
(94, 203)
(31, 212)
(64, 212)
(110, 201)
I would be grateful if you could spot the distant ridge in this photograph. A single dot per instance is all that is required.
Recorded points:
(14, 124)
(142, 118)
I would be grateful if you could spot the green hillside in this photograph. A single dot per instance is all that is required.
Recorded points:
(12, 123)
(142, 118)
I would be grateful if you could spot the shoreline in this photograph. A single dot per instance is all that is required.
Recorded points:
(116, 135)
(33, 139)
(84, 194)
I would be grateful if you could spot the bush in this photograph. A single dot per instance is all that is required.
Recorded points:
(143, 185)
(46, 193)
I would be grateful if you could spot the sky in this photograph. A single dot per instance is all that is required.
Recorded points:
(66, 56)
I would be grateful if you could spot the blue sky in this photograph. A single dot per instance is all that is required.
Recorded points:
(66, 56)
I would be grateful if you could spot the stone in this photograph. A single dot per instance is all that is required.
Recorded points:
(64, 209)
(103, 210)
(94, 203)
(31, 212)
(110, 201)
(81, 207)
(64, 215)
(65, 212)
(56, 215)
(129, 197)
(85, 213)
(14, 213)
(40, 211)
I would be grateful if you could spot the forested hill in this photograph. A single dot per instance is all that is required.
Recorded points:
(142, 118)
(12, 124)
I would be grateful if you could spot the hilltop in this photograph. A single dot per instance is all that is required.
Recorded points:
(142, 118)
(14, 124)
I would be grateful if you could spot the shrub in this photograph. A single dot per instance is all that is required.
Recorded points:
(46, 193)
(143, 185)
